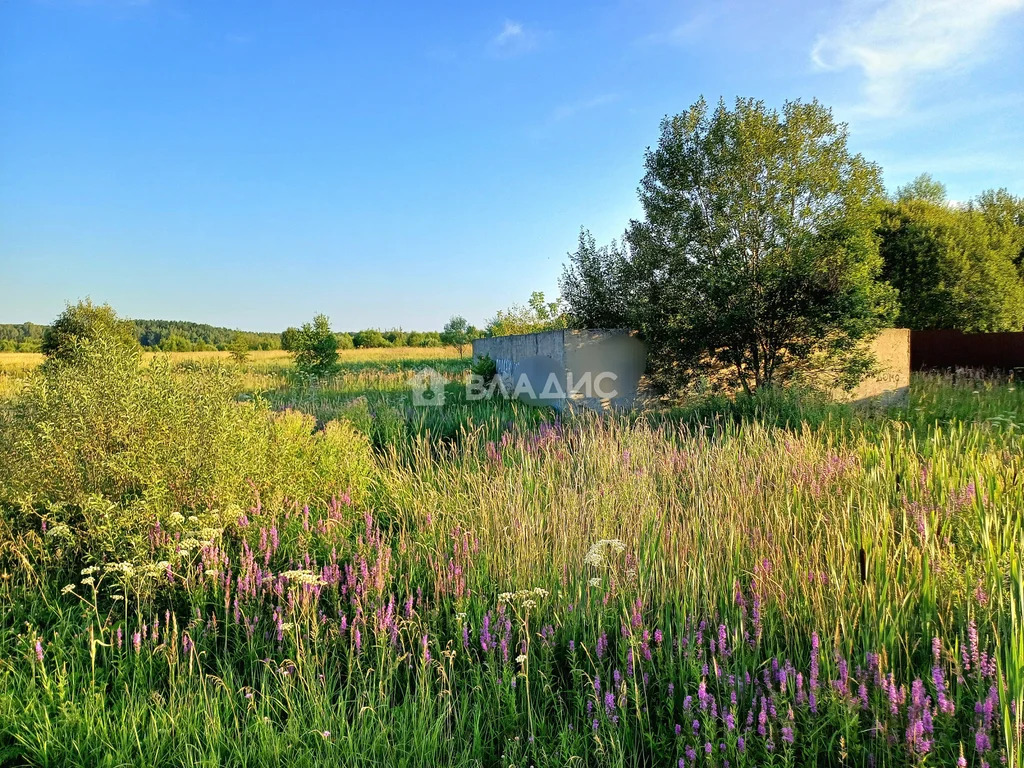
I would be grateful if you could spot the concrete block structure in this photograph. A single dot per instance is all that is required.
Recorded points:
(597, 368)
(603, 369)
(891, 385)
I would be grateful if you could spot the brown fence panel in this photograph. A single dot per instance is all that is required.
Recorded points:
(953, 349)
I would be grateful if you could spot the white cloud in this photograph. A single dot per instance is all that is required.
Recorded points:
(896, 43)
(513, 39)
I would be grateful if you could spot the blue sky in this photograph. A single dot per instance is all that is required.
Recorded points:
(249, 164)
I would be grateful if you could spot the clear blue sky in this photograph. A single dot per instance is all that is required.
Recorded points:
(251, 163)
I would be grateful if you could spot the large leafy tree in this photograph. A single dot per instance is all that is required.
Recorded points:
(955, 267)
(756, 260)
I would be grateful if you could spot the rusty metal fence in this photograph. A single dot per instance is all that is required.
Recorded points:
(954, 349)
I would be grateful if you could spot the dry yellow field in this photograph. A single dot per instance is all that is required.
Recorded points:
(13, 362)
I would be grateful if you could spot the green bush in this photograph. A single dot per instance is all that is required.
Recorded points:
(144, 442)
(316, 349)
(485, 367)
(85, 323)
(370, 339)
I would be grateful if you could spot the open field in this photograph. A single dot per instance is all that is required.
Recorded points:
(773, 582)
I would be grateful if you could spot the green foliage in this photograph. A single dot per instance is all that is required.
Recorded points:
(316, 349)
(592, 285)
(21, 332)
(83, 324)
(239, 348)
(484, 367)
(756, 262)
(540, 315)
(396, 338)
(196, 337)
(111, 445)
(458, 333)
(175, 343)
(370, 338)
(924, 187)
(421, 339)
(345, 341)
(290, 339)
(955, 267)
(1004, 214)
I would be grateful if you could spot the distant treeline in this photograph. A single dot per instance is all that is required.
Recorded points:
(183, 336)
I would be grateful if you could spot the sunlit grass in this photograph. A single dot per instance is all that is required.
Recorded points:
(852, 585)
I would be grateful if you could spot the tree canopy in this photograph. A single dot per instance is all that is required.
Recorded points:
(539, 315)
(955, 266)
(756, 260)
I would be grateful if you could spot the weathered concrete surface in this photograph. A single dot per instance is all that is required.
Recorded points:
(603, 368)
(891, 385)
(599, 369)
(605, 353)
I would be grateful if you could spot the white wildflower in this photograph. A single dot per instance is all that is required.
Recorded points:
(599, 551)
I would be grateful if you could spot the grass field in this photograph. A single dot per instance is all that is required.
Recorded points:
(776, 582)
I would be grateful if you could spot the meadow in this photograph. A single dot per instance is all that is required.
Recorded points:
(318, 573)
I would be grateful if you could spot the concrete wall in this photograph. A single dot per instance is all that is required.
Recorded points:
(576, 364)
(605, 353)
(892, 384)
(568, 357)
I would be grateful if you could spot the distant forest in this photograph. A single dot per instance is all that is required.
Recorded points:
(183, 336)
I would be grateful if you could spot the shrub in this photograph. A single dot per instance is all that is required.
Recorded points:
(370, 338)
(484, 367)
(397, 338)
(144, 442)
(316, 348)
(239, 348)
(289, 339)
(85, 323)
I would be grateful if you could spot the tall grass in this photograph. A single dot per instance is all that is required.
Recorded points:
(517, 589)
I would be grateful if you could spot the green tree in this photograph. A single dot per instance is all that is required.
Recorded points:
(397, 338)
(239, 348)
(539, 315)
(82, 324)
(369, 339)
(924, 187)
(316, 348)
(175, 343)
(954, 268)
(591, 285)
(289, 339)
(1004, 213)
(756, 261)
(458, 333)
